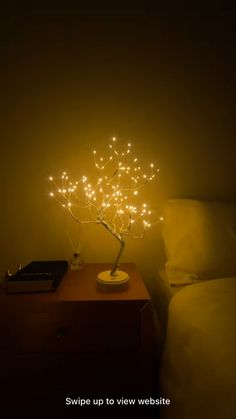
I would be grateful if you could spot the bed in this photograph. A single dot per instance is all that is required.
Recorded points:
(198, 370)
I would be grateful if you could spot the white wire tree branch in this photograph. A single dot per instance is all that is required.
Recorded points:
(112, 199)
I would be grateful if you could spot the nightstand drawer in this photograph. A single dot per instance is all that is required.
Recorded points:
(32, 332)
(84, 327)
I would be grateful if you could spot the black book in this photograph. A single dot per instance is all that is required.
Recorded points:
(38, 276)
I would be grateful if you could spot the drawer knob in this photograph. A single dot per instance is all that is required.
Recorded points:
(62, 331)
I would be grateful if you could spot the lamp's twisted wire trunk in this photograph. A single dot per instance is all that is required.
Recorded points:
(122, 245)
(116, 264)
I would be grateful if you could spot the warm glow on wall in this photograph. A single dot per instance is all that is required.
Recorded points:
(112, 198)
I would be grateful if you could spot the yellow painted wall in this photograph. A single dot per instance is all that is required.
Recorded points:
(67, 88)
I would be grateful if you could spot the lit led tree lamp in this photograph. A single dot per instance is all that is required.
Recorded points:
(112, 199)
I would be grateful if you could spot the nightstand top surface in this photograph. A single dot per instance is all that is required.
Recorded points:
(81, 286)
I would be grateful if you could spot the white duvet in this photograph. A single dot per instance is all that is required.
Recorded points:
(198, 370)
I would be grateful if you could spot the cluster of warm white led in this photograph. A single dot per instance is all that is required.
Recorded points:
(113, 198)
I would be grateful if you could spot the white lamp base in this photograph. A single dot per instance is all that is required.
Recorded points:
(112, 283)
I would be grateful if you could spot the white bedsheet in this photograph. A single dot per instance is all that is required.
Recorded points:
(198, 371)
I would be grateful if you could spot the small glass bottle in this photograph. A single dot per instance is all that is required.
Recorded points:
(76, 262)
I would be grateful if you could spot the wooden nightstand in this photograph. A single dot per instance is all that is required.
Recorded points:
(78, 340)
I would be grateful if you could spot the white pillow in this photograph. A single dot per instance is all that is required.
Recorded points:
(200, 240)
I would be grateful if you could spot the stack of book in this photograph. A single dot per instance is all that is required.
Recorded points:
(38, 276)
